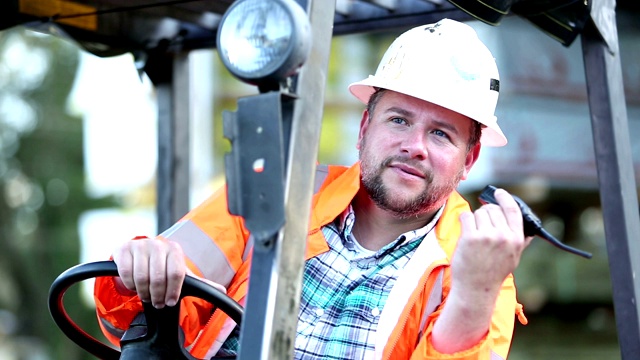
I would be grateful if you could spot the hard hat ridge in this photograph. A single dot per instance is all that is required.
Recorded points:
(446, 64)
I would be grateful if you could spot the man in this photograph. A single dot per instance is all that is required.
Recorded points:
(382, 279)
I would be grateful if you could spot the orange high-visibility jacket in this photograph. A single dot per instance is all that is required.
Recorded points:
(217, 247)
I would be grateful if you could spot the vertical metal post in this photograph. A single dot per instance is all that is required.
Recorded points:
(172, 87)
(618, 192)
(303, 154)
(272, 313)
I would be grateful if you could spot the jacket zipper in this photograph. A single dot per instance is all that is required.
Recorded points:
(196, 342)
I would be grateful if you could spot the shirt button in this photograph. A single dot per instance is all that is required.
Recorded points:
(375, 312)
(319, 312)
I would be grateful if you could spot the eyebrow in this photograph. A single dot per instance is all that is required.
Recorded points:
(409, 114)
(399, 110)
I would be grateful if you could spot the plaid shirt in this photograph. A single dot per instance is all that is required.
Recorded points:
(344, 291)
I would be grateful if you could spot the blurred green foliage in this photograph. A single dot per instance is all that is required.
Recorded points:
(42, 183)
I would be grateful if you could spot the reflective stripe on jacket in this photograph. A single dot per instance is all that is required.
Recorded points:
(217, 246)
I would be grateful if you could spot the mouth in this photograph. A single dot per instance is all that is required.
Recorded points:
(403, 167)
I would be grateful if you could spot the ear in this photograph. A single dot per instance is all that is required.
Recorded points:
(364, 124)
(472, 157)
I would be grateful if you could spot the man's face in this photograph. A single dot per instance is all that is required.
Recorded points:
(413, 153)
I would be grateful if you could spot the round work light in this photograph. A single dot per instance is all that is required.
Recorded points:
(263, 42)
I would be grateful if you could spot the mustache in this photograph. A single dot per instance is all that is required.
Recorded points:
(399, 159)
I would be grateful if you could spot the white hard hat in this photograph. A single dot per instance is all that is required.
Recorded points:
(446, 64)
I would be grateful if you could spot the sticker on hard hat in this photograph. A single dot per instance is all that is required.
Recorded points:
(494, 84)
(432, 27)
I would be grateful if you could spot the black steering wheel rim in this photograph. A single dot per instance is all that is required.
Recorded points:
(191, 287)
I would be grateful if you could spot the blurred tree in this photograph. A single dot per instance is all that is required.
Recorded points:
(41, 182)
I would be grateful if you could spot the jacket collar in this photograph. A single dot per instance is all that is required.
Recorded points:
(340, 188)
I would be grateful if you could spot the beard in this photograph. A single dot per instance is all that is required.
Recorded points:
(430, 199)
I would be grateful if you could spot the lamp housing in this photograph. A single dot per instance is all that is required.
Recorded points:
(263, 42)
(563, 20)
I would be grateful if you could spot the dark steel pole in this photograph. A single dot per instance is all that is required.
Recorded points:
(170, 74)
(618, 192)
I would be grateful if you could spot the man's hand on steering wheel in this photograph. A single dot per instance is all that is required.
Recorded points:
(154, 269)
(161, 339)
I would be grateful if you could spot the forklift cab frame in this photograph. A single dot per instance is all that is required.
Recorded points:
(281, 243)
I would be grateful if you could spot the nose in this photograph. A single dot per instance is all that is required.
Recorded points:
(415, 145)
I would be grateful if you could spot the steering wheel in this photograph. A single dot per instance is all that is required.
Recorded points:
(159, 339)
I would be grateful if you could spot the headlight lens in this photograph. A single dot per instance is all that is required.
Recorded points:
(263, 39)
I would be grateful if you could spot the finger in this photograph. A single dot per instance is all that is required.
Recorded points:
(528, 240)
(482, 218)
(496, 215)
(141, 272)
(467, 222)
(215, 285)
(121, 288)
(510, 208)
(176, 270)
(124, 262)
(158, 277)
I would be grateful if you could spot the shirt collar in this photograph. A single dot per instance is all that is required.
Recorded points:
(348, 218)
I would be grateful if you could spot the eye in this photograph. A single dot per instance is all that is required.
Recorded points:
(398, 120)
(440, 133)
